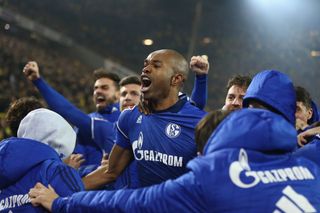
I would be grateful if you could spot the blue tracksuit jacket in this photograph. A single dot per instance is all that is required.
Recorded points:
(23, 163)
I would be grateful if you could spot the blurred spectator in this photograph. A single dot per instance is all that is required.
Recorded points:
(61, 71)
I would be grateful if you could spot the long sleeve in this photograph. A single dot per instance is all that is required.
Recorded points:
(199, 93)
(180, 195)
(65, 180)
(63, 107)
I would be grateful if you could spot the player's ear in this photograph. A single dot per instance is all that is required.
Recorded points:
(310, 112)
(177, 79)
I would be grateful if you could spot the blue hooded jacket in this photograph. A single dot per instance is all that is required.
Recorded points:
(23, 163)
(274, 89)
(247, 169)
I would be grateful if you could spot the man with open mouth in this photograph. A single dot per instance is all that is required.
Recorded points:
(105, 98)
(159, 133)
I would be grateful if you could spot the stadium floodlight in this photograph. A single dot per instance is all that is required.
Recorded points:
(147, 42)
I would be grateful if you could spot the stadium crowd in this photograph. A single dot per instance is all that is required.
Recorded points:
(67, 74)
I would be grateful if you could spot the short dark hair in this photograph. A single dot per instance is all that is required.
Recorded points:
(103, 73)
(240, 81)
(131, 79)
(18, 110)
(303, 96)
(207, 125)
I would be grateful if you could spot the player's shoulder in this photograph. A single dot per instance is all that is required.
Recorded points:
(189, 108)
(129, 114)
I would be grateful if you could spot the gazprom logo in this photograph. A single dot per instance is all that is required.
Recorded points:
(137, 146)
(244, 177)
(153, 155)
(173, 130)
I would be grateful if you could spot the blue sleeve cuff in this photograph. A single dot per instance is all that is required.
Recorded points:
(59, 205)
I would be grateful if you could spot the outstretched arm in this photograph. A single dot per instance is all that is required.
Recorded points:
(57, 102)
(179, 195)
(200, 66)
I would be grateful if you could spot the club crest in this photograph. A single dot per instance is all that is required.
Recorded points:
(173, 130)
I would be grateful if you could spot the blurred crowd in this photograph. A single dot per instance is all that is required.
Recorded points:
(67, 74)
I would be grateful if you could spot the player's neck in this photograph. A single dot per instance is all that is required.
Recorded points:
(165, 103)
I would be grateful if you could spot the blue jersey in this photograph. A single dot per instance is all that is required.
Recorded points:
(162, 142)
(23, 163)
(247, 169)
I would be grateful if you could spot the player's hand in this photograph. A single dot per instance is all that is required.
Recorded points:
(74, 160)
(41, 195)
(302, 137)
(31, 71)
(199, 65)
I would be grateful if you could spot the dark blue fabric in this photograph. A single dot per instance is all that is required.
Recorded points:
(250, 127)
(199, 93)
(229, 178)
(162, 142)
(311, 150)
(23, 163)
(274, 89)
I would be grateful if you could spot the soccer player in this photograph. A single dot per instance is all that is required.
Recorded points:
(307, 125)
(158, 134)
(105, 96)
(236, 90)
(129, 97)
(306, 112)
(128, 92)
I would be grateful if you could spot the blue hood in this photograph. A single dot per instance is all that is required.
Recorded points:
(274, 89)
(253, 129)
(18, 156)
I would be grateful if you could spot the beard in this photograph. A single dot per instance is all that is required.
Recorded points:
(107, 101)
